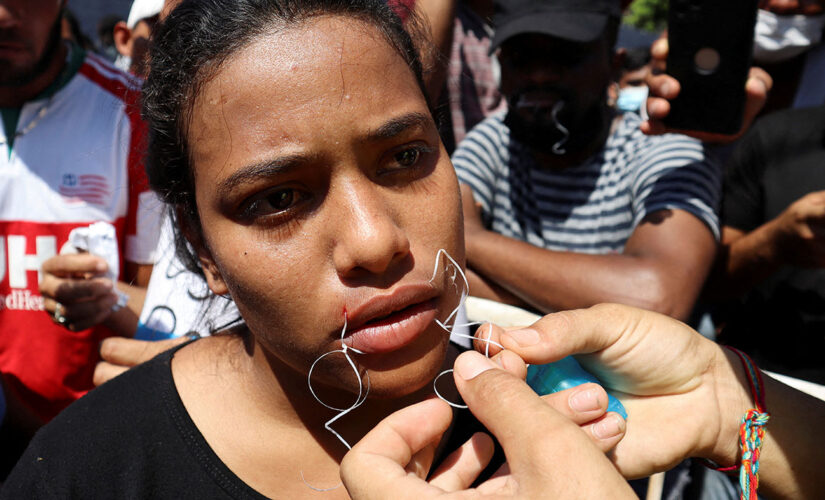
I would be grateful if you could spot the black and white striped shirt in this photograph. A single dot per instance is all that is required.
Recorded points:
(593, 207)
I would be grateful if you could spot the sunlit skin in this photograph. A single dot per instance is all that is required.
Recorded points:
(321, 184)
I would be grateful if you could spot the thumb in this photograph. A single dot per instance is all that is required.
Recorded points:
(507, 406)
(579, 331)
(376, 466)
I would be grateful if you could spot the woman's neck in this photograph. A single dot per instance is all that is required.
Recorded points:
(289, 388)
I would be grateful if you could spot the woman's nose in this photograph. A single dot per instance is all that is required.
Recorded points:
(369, 238)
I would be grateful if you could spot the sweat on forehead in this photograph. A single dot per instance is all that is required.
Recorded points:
(193, 41)
(263, 93)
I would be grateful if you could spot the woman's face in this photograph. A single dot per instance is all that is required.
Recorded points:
(323, 190)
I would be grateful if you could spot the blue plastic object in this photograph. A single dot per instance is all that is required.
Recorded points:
(564, 374)
(144, 332)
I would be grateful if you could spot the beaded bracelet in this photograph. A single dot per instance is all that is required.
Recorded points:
(751, 432)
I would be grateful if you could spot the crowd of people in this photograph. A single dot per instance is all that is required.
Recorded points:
(269, 213)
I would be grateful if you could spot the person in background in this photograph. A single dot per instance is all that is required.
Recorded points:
(70, 156)
(788, 45)
(635, 67)
(132, 37)
(471, 92)
(565, 204)
(629, 93)
(771, 271)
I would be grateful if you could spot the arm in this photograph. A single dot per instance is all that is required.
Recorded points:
(125, 320)
(486, 289)
(662, 268)
(120, 354)
(795, 237)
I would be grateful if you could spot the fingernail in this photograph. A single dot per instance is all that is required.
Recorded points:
(525, 337)
(101, 266)
(586, 400)
(471, 364)
(610, 426)
(666, 88)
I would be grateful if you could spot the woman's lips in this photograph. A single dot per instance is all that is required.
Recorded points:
(393, 331)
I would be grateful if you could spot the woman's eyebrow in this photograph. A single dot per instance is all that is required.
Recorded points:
(399, 125)
(263, 170)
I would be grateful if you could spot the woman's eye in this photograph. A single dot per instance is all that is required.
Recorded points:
(408, 157)
(281, 200)
(273, 202)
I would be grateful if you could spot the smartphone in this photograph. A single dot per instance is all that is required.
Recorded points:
(710, 49)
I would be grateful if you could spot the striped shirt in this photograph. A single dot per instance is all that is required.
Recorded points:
(593, 207)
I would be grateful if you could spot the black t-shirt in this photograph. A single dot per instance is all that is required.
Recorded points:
(133, 438)
(781, 322)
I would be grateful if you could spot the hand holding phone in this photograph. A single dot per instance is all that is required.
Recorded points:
(710, 45)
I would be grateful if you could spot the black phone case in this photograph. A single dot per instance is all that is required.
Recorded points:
(711, 99)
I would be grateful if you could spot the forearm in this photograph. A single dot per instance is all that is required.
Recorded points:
(745, 261)
(136, 279)
(550, 280)
(124, 321)
(486, 289)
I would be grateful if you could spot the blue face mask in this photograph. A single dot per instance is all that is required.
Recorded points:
(631, 98)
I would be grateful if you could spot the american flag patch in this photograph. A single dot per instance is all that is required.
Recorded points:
(86, 187)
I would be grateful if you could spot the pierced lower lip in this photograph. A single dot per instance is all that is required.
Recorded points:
(394, 331)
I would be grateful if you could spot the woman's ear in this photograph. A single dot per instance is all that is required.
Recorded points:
(194, 236)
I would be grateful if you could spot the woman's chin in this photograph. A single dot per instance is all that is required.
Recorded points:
(409, 370)
(397, 386)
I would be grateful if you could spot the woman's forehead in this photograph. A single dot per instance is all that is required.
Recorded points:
(330, 72)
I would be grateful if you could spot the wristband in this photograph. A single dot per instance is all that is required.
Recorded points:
(751, 432)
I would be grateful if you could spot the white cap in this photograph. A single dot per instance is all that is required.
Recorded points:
(142, 9)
